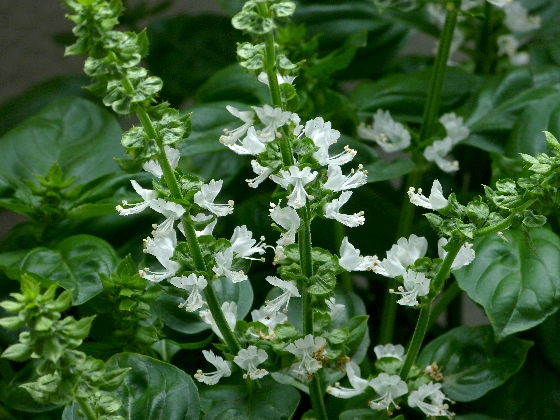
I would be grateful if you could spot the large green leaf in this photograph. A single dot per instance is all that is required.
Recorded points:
(270, 401)
(151, 390)
(75, 263)
(167, 306)
(517, 287)
(527, 135)
(82, 137)
(472, 362)
(232, 83)
(405, 94)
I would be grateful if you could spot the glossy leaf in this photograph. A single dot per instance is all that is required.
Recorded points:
(517, 288)
(82, 137)
(75, 263)
(151, 390)
(271, 401)
(406, 94)
(382, 170)
(471, 361)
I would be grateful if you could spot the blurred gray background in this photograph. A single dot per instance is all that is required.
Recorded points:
(28, 52)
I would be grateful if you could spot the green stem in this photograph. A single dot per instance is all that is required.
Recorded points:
(276, 97)
(446, 298)
(485, 49)
(192, 240)
(417, 339)
(220, 319)
(504, 224)
(429, 120)
(425, 312)
(86, 408)
(389, 313)
(433, 101)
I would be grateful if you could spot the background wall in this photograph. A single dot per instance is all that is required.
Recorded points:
(28, 52)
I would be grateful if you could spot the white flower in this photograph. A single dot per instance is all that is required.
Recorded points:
(436, 200)
(389, 350)
(171, 211)
(273, 119)
(231, 136)
(263, 78)
(223, 368)
(464, 257)
(289, 290)
(403, 254)
(244, 245)
(230, 313)
(386, 132)
(454, 127)
(147, 195)
(162, 246)
(308, 349)
(201, 217)
(206, 196)
(351, 260)
(322, 156)
(415, 284)
(298, 178)
(518, 20)
(153, 166)
(500, 3)
(359, 385)
(288, 219)
(335, 309)
(194, 285)
(338, 182)
(437, 407)
(437, 152)
(262, 173)
(508, 45)
(224, 261)
(252, 144)
(332, 211)
(321, 132)
(270, 321)
(248, 359)
(388, 388)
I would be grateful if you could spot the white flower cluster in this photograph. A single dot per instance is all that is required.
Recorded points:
(392, 136)
(401, 257)
(390, 387)
(256, 136)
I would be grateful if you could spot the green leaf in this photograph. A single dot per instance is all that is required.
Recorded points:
(271, 401)
(80, 136)
(517, 288)
(405, 94)
(233, 84)
(381, 170)
(75, 263)
(472, 363)
(151, 390)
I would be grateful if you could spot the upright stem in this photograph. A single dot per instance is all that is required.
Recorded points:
(304, 233)
(86, 408)
(425, 312)
(192, 240)
(485, 57)
(433, 101)
(429, 120)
